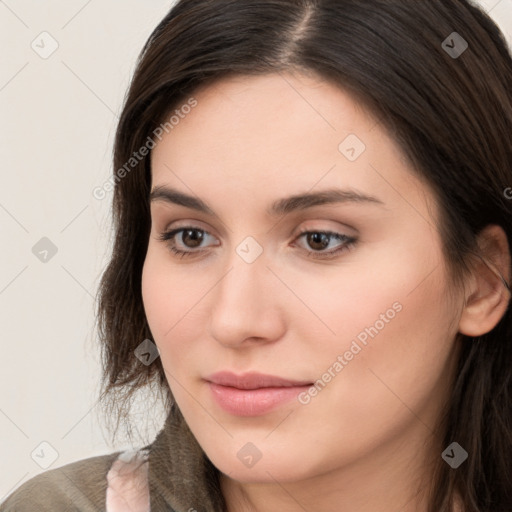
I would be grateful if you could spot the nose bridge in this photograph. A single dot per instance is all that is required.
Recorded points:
(247, 278)
(244, 304)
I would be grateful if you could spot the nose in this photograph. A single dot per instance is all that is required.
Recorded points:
(247, 304)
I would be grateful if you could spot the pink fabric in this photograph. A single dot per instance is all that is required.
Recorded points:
(128, 489)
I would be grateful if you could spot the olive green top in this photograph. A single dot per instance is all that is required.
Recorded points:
(171, 474)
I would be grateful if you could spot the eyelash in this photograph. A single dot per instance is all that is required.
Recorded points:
(348, 244)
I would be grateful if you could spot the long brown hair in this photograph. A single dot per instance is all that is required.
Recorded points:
(450, 113)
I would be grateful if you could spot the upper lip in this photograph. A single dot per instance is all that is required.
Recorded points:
(252, 380)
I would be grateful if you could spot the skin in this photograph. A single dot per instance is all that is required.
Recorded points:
(365, 442)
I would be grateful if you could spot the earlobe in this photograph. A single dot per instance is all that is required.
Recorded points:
(488, 292)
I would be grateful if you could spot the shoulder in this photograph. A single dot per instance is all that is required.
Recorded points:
(78, 486)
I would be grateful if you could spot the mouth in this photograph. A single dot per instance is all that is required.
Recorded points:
(253, 380)
(253, 394)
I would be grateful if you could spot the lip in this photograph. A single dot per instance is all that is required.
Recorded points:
(253, 380)
(252, 393)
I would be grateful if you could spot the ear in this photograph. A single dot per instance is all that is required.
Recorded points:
(487, 296)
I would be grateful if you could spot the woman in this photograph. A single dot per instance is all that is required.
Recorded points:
(313, 218)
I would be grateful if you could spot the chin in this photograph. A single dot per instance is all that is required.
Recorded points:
(274, 466)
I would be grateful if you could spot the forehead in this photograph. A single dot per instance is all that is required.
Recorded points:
(259, 102)
(267, 110)
(253, 138)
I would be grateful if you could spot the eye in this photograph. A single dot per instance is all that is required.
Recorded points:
(320, 240)
(191, 237)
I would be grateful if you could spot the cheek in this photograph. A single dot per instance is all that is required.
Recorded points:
(171, 302)
(393, 326)
(367, 292)
(157, 295)
(403, 366)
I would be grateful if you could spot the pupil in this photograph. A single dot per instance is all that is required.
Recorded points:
(195, 239)
(320, 238)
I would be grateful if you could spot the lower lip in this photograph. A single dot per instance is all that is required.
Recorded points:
(253, 402)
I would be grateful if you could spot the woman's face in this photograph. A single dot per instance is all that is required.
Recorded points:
(356, 317)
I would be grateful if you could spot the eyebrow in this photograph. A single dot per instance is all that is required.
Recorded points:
(279, 207)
